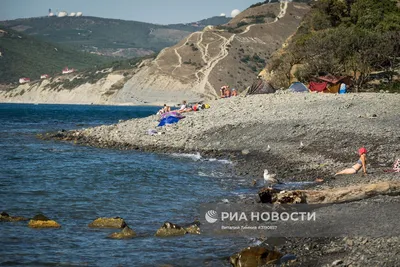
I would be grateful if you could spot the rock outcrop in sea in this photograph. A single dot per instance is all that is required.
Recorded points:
(104, 222)
(41, 221)
(170, 229)
(5, 217)
(125, 233)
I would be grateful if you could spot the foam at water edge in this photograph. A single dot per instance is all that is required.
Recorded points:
(195, 157)
(224, 161)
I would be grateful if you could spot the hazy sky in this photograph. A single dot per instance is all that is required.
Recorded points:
(155, 11)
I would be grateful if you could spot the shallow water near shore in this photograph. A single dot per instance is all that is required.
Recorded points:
(75, 184)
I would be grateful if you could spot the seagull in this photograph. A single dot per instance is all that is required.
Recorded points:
(270, 178)
(268, 148)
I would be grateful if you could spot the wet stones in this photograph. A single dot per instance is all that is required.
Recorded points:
(41, 221)
(116, 222)
(5, 217)
(125, 233)
(170, 229)
(254, 257)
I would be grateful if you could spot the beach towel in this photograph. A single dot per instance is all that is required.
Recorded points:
(171, 114)
(169, 120)
(396, 167)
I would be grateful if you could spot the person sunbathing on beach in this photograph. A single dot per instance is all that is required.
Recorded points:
(234, 92)
(361, 163)
(165, 109)
(222, 91)
(184, 107)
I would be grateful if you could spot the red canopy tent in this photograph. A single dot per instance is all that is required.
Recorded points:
(317, 87)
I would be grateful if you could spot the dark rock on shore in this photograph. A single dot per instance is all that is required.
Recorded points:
(116, 222)
(5, 217)
(254, 257)
(125, 233)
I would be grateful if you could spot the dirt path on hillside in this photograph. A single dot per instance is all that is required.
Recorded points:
(202, 83)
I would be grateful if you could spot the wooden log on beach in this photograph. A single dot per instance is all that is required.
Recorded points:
(330, 196)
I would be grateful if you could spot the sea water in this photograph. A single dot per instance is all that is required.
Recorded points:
(76, 184)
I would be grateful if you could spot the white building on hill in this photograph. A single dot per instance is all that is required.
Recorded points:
(62, 14)
(66, 70)
(24, 80)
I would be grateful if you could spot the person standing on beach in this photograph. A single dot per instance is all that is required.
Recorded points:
(227, 92)
(222, 91)
(361, 163)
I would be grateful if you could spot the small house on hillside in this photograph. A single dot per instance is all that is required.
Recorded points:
(24, 80)
(44, 76)
(66, 70)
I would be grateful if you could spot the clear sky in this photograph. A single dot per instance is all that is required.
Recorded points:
(154, 11)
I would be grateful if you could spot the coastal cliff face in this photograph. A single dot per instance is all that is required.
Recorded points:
(48, 91)
(232, 54)
(193, 69)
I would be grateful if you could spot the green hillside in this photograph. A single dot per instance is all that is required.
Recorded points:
(26, 56)
(105, 36)
(355, 37)
(196, 26)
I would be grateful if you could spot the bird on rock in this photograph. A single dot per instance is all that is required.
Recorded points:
(270, 178)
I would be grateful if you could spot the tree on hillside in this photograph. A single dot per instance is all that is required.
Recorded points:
(372, 14)
(353, 37)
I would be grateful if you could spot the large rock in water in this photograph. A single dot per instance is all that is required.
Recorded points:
(116, 222)
(5, 217)
(170, 229)
(127, 232)
(254, 257)
(41, 221)
(192, 228)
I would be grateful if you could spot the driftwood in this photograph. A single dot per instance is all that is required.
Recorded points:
(329, 196)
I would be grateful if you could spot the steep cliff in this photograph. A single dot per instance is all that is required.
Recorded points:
(193, 69)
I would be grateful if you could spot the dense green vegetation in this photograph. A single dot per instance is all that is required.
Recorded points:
(276, 1)
(99, 34)
(352, 37)
(56, 43)
(25, 56)
(93, 74)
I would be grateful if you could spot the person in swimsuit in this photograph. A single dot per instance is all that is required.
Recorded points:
(361, 163)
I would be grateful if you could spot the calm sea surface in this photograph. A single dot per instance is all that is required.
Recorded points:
(75, 184)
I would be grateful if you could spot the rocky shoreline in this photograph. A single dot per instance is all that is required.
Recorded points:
(299, 137)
